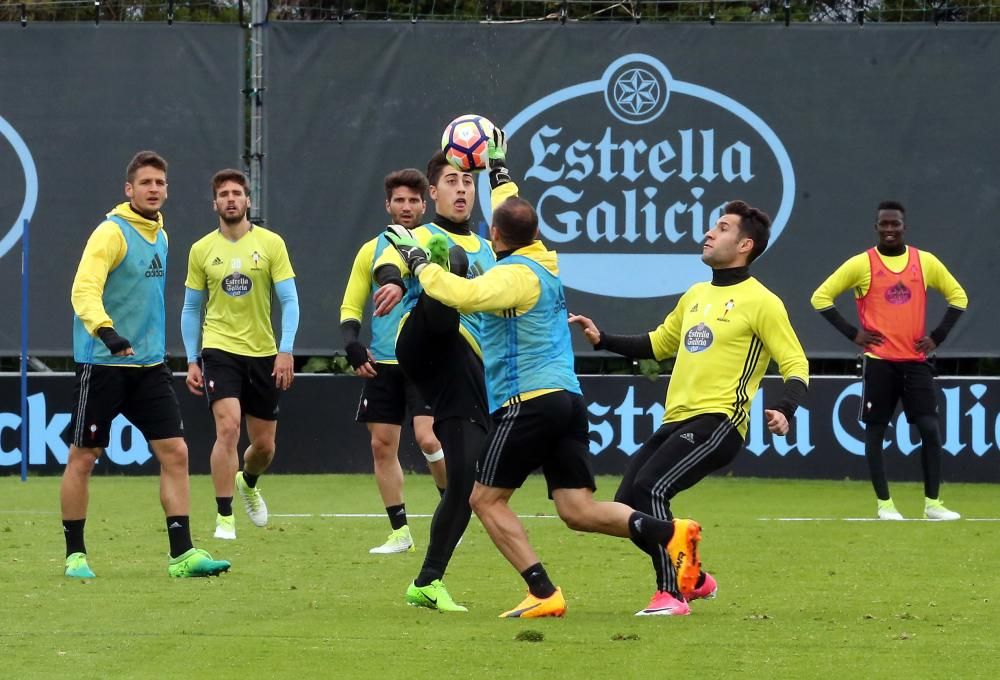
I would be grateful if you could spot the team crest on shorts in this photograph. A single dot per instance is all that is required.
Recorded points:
(698, 338)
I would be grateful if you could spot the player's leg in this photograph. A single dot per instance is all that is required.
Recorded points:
(259, 397)
(423, 431)
(382, 408)
(97, 399)
(256, 460)
(151, 405)
(881, 389)
(223, 387)
(693, 449)
(920, 405)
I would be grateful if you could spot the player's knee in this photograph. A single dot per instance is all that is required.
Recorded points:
(172, 454)
(482, 501)
(427, 441)
(383, 449)
(574, 517)
(264, 447)
(227, 431)
(82, 461)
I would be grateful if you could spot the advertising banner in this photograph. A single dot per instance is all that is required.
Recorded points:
(629, 140)
(317, 432)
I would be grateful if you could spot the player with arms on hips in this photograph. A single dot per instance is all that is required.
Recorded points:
(387, 394)
(241, 371)
(119, 332)
(439, 350)
(723, 332)
(539, 415)
(890, 283)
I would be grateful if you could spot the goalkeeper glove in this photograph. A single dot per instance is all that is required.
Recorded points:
(496, 149)
(409, 249)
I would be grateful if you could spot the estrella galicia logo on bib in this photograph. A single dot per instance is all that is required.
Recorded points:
(237, 284)
(698, 338)
(898, 294)
(628, 173)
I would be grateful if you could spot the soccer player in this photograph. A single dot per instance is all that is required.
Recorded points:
(118, 345)
(539, 415)
(440, 352)
(723, 332)
(241, 371)
(890, 284)
(387, 394)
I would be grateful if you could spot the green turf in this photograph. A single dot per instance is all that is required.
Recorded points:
(305, 599)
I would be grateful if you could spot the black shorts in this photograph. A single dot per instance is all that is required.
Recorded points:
(388, 397)
(549, 432)
(144, 395)
(886, 382)
(249, 379)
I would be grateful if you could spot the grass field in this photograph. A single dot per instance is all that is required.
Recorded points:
(797, 599)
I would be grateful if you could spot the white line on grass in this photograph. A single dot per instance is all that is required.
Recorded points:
(867, 519)
(356, 515)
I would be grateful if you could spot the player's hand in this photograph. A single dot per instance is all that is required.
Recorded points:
(361, 359)
(590, 330)
(367, 369)
(925, 344)
(195, 380)
(284, 370)
(777, 423)
(408, 247)
(116, 344)
(864, 338)
(496, 148)
(386, 298)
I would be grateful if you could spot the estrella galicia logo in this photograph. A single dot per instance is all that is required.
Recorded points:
(630, 171)
(898, 294)
(27, 163)
(237, 284)
(698, 338)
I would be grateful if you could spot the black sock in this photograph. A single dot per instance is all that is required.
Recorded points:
(397, 515)
(874, 432)
(250, 479)
(649, 534)
(441, 491)
(225, 505)
(538, 581)
(73, 531)
(179, 533)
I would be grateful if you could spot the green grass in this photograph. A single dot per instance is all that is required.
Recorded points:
(305, 599)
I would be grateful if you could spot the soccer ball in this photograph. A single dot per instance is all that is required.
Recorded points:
(465, 142)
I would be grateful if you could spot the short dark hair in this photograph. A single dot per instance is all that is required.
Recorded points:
(144, 159)
(755, 225)
(436, 166)
(892, 205)
(229, 175)
(517, 221)
(408, 177)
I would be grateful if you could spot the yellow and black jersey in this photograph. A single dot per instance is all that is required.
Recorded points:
(723, 338)
(238, 276)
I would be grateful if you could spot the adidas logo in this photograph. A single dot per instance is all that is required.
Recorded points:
(688, 437)
(174, 525)
(216, 261)
(155, 269)
(695, 308)
(637, 524)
